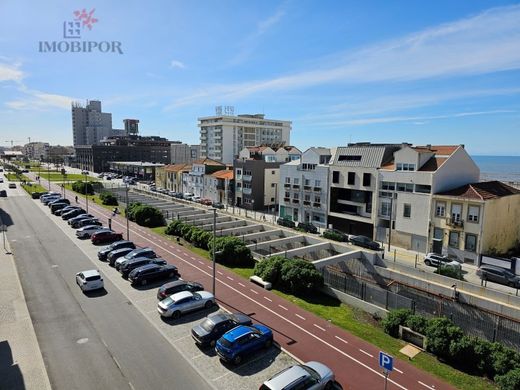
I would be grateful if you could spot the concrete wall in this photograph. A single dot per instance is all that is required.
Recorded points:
(456, 171)
(501, 223)
(355, 302)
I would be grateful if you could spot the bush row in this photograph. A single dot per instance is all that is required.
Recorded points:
(83, 187)
(471, 354)
(145, 215)
(293, 276)
(230, 251)
(332, 235)
(107, 198)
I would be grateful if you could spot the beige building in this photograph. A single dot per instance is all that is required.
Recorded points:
(219, 186)
(475, 219)
(170, 176)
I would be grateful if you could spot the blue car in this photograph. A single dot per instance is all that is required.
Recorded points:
(241, 341)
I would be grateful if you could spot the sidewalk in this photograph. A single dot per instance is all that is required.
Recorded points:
(21, 362)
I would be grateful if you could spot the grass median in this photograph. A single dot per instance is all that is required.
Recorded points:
(30, 188)
(56, 176)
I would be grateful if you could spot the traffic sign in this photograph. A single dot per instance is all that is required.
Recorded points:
(386, 361)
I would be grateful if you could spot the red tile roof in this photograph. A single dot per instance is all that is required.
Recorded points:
(176, 167)
(225, 174)
(482, 191)
(208, 161)
(439, 150)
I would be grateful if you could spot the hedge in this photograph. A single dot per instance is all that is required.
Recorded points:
(145, 215)
(107, 198)
(83, 187)
(333, 236)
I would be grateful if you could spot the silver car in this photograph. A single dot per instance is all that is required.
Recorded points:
(87, 231)
(310, 376)
(184, 302)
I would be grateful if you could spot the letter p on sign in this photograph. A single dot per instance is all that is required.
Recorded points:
(386, 361)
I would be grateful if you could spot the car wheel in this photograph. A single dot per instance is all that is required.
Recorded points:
(268, 343)
(212, 343)
(427, 262)
(143, 282)
(176, 315)
(237, 360)
(171, 274)
(208, 304)
(328, 386)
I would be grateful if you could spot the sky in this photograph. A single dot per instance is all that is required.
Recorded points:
(425, 72)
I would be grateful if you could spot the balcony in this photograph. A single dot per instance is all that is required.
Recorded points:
(247, 177)
(316, 205)
(247, 191)
(287, 185)
(317, 189)
(307, 188)
(296, 186)
(203, 138)
(238, 189)
(286, 199)
(306, 203)
(297, 201)
(456, 223)
(203, 131)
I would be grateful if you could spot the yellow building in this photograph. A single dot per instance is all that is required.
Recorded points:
(475, 219)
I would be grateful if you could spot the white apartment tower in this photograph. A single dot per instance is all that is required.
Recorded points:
(89, 124)
(222, 137)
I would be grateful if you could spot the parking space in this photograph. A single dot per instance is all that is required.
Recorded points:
(249, 375)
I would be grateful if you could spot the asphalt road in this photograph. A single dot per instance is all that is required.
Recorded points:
(88, 342)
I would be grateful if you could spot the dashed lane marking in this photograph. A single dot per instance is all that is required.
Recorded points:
(283, 307)
(319, 327)
(270, 300)
(366, 353)
(253, 291)
(398, 370)
(242, 284)
(230, 278)
(340, 339)
(299, 316)
(425, 385)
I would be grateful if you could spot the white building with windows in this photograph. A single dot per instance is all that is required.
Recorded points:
(405, 188)
(89, 124)
(222, 137)
(193, 181)
(36, 150)
(303, 190)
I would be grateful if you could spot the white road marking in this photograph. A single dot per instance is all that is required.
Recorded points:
(201, 262)
(230, 278)
(242, 284)
(299, 316)
(340, 339)
(270, 300)
(366, 353)
(220, 273)
(131, 385)
(398, 370)
(283, 307)
(319, 327)
(253, 291)
(425, 385)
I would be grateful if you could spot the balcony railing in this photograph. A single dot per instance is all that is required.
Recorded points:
(286, 199)
(247, 177)
(457, 223)
(296, 186)
(306, 203)
(296, 201)
(287, 185)
(317, 189)
(316, 205)
(307, 188)
(247, 191)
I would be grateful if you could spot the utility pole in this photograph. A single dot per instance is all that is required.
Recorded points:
(126, 215)
(214, 247)
(86, 192)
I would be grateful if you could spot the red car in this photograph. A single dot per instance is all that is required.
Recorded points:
(105, 236)
(206, 201)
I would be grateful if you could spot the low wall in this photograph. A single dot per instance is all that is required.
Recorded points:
(355, 302)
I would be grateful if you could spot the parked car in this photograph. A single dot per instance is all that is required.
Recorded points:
(3, 194)
(177, 286)
(196, 199)
(48, 194)
(185, 302)
(79, 217)
(36, 195)
(51, 198)
(140, 252)
(188, 195)
(343, 236)
(103, 253)
(435, 260)
(130, 265)
(308, 227)
(88, 230)
(59, 200)
(89, 280)
(12, 185)
(365, 242)
(218, 205)
(311, 375)
(86, 222)
(284, 221)
(104, 236)
(116, 254)
(206, 201)
(150, 272)
(57, 206)
(214, 326)
(241, 341)
(498, 275)
(71, 214)
(66, 209)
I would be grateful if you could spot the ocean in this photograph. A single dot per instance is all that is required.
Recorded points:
(503, 168)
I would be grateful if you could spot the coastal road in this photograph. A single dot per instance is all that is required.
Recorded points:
(98, 341)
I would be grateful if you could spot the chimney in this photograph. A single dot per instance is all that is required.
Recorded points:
(429, 146)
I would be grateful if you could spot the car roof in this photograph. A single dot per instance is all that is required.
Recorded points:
(495, 267)
(90, 272)
(147, 266)
(181, 295)
(174, 284)
(238, 332)
(287, 376)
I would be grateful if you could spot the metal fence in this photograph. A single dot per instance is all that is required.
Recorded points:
(472, 320)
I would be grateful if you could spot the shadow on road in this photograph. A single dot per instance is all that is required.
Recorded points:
(96, 293)
(5, 218)
(10, 375)
(156, 284)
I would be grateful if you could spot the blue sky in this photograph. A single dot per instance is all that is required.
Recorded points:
(440, 72)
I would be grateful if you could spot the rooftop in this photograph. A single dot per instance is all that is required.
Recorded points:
(225, 174)
(208, 161)
(484, 190)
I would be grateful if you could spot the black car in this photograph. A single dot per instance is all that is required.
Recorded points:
(285, 221)
(365, 242)
(59, 200)
(66, 209)
(308, 227)
(498, 275)
(218, 205)
(71, 214)
(57, 206)
(115, 254)
(139, 252)
(214, 326)
(177, 286)
(103, 253)
(150, 272)
(79, 218)
(36, 195)
(3, 194)
(130, 265)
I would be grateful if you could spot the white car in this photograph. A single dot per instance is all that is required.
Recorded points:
(89, 280)
(311, 375)
(184, 302)
(87, 231)
(435, 260)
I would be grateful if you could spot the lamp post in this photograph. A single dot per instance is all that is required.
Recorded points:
(49, 173)
(214, 247)
(126, 215)
(86, 192)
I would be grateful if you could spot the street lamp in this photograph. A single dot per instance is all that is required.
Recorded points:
(126, 215)
(86, 191)
(214, 246)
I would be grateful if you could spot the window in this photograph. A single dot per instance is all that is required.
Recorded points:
(473, 213)
(351, 178)
(423, 189)
(388, 186)
(405, 187)
(385, 209)
(335, 176)
(308, 167)
(296, 180)
(454, 240)
(405, 167)
(399, 167)
(438, 233)
(307, 198)
(307, 182)
(317, 183)
(288, 180)
(456, 211)
(366, 179)
(239, 172)
(287, 194)
(272, 172)
(317, 199)
(440, 209)
(471, 242)
(407, 210)
(273, 185)
(296, 195)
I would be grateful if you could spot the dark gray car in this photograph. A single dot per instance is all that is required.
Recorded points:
(214, 326)
(498, 275)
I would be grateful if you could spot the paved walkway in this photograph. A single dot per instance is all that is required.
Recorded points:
(21, 361)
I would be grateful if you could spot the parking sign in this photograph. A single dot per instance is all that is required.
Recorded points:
(386, 361)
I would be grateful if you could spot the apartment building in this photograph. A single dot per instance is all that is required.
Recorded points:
(353, 182)
(222, 137)
(170, 176)
(184, 153)
(304, 187)
(257, 174)
(89, 124)
(36, 150)
(219, 186)
(405, 188)
(193, 181)
(474, 219)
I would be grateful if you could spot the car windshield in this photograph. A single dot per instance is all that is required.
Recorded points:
(207, 325)
(311, 372)
(226, 343)
(168, 301)
(91, 278)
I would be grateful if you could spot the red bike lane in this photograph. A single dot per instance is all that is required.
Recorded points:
(298, 332)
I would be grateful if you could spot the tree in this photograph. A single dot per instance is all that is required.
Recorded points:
(83, 187)
(107, 198)
(270, 269)
(417, 323)
(300, 277)
(509, 381)
(148, 216)
(131, 208)
(231, 251)
(394, 319)
(441, 332)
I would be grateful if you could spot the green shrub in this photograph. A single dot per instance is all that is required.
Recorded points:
(107, 198)
(130, 210)
(450, 272)
(300, 277)
(148, 216)
(174, 228)
(509, 381)
(441, 332)
(270, 269)
(504, 359)
(231, 251)
(332, 235)
(82, 187)
(417, 323)
(394, 319)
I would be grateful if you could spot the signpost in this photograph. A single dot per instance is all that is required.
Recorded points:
(386, 362)
(3, 229)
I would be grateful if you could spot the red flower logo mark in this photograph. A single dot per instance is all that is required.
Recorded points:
(86, 18)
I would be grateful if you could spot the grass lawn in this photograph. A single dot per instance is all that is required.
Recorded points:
(33, 188)
(362, 325)
(13, 177)
(91, 198)
(56, 176)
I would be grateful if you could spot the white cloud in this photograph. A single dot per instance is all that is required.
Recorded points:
(11, 72)
(177, 64)
(37, 100)
(485, 43)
